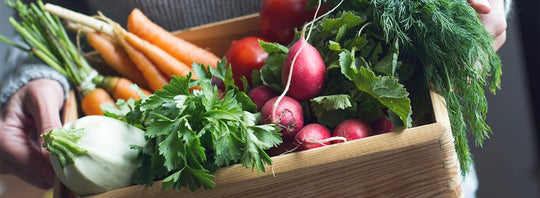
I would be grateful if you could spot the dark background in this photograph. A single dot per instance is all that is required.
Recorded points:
(507, 165)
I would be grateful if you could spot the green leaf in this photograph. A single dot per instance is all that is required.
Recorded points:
(271, 48)
(227, 143)
(334, 46)
(201, 71)
(347, 63)
(387, 90)
(330, 110)
(389, 63)
(158, 128)
(333, 102)
(246, 102)
(258, 139)
(271, 71)
(172, 149)
(118, 111)
(347, 20)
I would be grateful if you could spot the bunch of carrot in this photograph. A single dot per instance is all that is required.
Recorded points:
(145, 53)
(46, 38)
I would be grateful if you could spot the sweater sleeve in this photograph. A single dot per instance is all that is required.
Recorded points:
(19, 69)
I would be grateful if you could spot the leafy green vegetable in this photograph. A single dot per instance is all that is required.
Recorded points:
(458, 61)
(385, 89)
(350, 72)
(445, 37)
(373, 47)
(93, 154)
(191, 134)
(271, 71)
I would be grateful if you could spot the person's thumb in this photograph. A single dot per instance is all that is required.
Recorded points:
(45, 102)
(481, 6)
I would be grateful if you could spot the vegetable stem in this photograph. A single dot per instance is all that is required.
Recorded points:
(64, 144)
(79, 18)
(46, 37)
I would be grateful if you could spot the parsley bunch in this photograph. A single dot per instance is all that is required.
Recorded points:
(192, 129)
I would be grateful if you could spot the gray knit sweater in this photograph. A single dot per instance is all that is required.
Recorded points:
(19, 69)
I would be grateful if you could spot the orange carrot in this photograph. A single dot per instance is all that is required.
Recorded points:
(151, 73)
(90, 103)
(116, 58)
(163, 60)
(119, 88)
(181, 49)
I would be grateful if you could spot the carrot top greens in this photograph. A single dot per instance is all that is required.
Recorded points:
(44, 36)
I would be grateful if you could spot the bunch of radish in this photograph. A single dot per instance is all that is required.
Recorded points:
(303, 78)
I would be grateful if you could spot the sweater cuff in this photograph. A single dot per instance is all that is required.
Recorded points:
(24, 74)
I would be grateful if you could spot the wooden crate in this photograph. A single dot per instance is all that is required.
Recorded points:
(416, 162)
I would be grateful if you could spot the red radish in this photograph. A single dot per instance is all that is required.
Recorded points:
(312, 136)
(382, 125)
(288, 115)
(352, 129)
(308, 73)
(261, 94)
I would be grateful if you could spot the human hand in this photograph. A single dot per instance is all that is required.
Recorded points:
(32, 110)
(493, 17)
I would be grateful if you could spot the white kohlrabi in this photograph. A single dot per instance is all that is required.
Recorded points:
(93, 154)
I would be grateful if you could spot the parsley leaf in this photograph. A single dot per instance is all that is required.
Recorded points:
(190, 133)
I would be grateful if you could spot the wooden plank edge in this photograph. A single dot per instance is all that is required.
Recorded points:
(447, 141)
(311, 158)
(439, 109)
(247, 21)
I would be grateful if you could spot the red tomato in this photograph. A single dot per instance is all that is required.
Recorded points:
(279, 18)
(245, 55)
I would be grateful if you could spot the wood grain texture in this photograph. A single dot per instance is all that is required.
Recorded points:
(216, 37)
